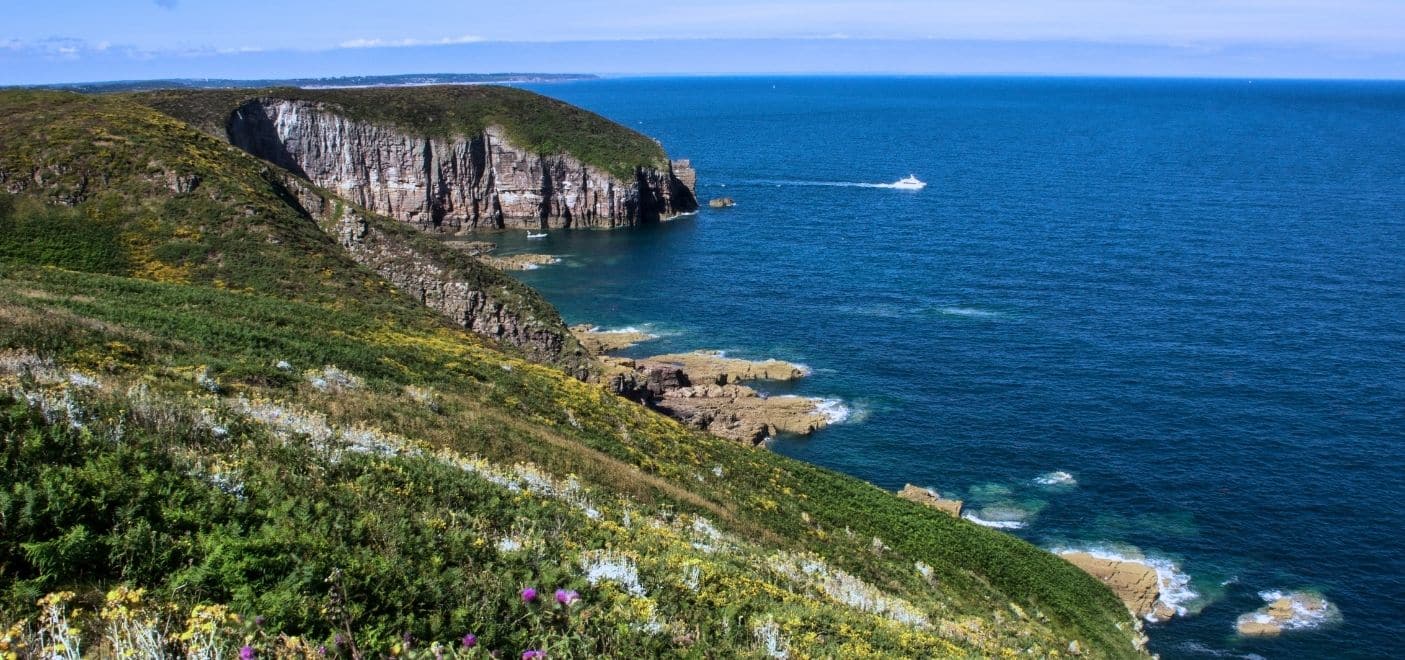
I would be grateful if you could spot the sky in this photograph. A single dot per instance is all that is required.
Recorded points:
(93, 40)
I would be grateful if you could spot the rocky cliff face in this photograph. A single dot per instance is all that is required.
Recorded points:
(489, 304)
(454, 184)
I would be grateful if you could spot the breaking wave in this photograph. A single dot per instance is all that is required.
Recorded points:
(994, 524)
(1056, 478)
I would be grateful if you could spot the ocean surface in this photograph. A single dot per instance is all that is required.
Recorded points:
(1189, 296)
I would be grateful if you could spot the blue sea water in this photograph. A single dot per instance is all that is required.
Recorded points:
(1188, 295)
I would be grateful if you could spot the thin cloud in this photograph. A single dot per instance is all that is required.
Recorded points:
(166, 4)
(401, 43)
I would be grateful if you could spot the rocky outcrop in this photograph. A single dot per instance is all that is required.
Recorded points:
(721, 202)
(600, 342)
(929, 497)
(644, 382)
(455, 183)
(470, 294)
(1291, 611)
(709, 399)
(740, 413)
(713, 367)
(1135, 583)
(519, 261)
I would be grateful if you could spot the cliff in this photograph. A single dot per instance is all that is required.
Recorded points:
(459, 162)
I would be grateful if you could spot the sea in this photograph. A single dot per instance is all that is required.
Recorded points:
(1159, 319)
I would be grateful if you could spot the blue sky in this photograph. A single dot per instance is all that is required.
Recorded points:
(84, 40)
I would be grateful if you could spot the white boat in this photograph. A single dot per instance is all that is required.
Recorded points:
(531, 235)
(910, 183)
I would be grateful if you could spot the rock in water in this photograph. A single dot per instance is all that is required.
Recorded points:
(519, 261)
(741, 413)
(930, 498)
(1292, 611)
(600, 342)
(722, 203)
(1135, 583)
(705, 367)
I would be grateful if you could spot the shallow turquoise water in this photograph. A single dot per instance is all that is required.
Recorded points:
(1189, 295)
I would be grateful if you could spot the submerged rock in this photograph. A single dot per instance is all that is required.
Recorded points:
(930, 498)
(1291, 611)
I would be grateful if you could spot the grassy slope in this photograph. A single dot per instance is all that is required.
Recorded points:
(406, 532)
(531, 120)
(113, 162)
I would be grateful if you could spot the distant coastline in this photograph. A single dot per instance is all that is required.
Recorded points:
(401, 80)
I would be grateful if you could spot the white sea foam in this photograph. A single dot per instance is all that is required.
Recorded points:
(827, 184)
(1303, 617)
(1056, 478)
(1176, 590)
(969, 312)
(834, 410)
(994, 524)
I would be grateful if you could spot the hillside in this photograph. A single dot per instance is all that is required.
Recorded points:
(230, 418)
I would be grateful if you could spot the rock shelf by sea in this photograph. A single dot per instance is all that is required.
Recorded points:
(600, 342)
(701, 388)
(520, 261)
(1136, 583)
(715, 367)
(930, 498)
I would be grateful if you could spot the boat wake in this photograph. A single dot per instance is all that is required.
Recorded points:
(829, 184)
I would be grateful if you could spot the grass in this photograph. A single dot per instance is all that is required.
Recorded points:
(532, 121)
(165, 424)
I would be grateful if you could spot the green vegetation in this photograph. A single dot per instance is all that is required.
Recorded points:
(277, 449)
(531, 120)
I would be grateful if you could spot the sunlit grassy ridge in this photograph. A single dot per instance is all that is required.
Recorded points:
(532, 121)
(336, 460)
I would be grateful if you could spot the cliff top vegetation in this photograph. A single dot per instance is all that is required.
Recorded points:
(531, 121)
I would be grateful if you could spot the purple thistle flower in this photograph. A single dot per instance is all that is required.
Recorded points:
(566, 597)
(533, 655)
(470, 640)
(338, 641)
(529, 595)
(246, 653)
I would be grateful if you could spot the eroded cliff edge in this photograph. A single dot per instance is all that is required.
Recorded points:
(458, 159)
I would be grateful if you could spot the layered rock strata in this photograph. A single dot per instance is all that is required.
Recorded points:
(456, 183)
